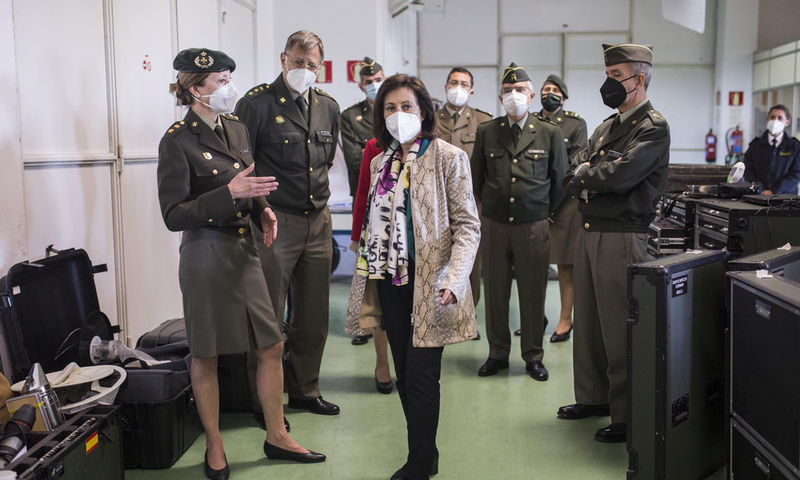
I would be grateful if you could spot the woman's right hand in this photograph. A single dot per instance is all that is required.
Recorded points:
(243, 186)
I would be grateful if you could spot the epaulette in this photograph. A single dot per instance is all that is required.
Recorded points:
(656, 117)
(351, 106)
(176, 127)
(546, 119)
(257, 90)
(323, 92)
(571, 114)
(485, 113)
(231, 116)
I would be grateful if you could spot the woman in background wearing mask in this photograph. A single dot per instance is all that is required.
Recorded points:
(205, 191)
(774, 158)
(418, 243)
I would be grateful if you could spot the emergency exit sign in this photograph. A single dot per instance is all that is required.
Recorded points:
(735, 99)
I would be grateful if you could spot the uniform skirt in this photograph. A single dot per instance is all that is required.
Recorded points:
(564, 232)
(225, 297)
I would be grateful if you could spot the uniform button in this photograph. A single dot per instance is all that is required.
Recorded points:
(600, 139)
(236, 165)
(586, 226)
(310, 169)
(309, 142)
(536, 157)
(311, 197)
(633, 122)
(286, 141)
(238, 214)
(241, 231)
(512, 200)
(583, 181)
(514, 161)
(210, 220)
(602, 153)
(510, 219)
(214, 171)
(513, 179)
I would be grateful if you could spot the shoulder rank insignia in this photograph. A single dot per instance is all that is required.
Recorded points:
(323, 92)
(258, 90)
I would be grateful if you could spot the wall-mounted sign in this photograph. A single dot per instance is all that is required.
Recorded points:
(353, 66)
(735, 99)
(325, 74)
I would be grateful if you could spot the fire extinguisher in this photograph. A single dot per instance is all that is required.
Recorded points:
(711, 147)
(735, 142)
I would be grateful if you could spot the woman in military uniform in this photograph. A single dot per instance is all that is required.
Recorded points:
(205, 191)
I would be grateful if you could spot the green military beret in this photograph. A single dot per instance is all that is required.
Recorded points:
(556, 80)
(369, 67)
(514, 74)
(627, 53)
(202, 60)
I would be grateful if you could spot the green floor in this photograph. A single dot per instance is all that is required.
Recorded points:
(501, 427)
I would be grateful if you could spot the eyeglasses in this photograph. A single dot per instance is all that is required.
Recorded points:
(520, 89)
(456, 83)
(302, 64)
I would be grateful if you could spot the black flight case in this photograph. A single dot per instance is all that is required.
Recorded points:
(676, 415)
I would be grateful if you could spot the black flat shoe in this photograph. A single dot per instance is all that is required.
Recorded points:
(518, 332)
(561, 337)
(614, 433)
(360, 340)
(221, 474)
(259, 418)
(477, 335)
(384, 387)
(580, 411)
(492, 367)
(537, 371)
(274, 453)
(317, 405)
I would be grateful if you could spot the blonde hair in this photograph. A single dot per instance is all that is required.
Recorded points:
(306, 40)
(185, 81)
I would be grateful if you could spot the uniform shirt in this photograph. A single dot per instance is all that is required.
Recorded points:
(778, 169)
(521, 183)
(627, 171)
(194, 170)
(356, 132)
(462, 133)
(286, 147)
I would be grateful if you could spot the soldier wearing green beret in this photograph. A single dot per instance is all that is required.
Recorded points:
(517, 166)
(293, 132)
(618, 181)
(566, 219)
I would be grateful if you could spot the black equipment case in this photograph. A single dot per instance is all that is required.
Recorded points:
(780, 263)
(87, 446)
(676, 327)
(764, 371)
(50, 311)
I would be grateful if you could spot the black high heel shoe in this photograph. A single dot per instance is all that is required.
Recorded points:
(275, 453)
(561, 337)
(221, 474)
(383, 387)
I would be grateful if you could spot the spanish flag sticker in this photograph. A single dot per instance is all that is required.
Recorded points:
(91, 443)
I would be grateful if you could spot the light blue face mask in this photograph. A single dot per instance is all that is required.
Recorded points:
(372, 90)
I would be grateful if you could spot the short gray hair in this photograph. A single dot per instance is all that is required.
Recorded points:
(530, 86)
(642, 68)
(306, 40)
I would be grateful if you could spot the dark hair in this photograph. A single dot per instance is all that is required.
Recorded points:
(182, 85)
(780, 107)
(461, 70)
(430, 126)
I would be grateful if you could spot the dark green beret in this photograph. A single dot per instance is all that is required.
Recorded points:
(514, 74)
(369, 67)
(556, 80)
(202, 60)
(627, 53)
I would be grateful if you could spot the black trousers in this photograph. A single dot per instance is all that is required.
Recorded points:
(418, 371)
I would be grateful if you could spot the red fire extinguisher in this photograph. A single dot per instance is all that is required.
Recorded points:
(735, 141)
(711, 147)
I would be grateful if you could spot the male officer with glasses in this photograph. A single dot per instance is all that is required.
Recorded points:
(458, 125)
(518, 163)
(293, 132)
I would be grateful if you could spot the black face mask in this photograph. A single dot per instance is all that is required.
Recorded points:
(614, 93)
(551, 102)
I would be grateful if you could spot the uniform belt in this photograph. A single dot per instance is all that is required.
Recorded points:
(234, 231)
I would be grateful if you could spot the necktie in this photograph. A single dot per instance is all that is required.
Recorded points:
(774, 143)
(455, 118)
(616, 123)
(303, 105)
(221, 134)
(515, 131)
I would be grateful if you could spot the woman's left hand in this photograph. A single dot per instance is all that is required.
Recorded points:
(446, 297)
(269, 225)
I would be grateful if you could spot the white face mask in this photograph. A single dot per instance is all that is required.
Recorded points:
(775, 127)
(457, 96)
(403, 126)
(222, 100)
(300, 79)
(515, 103)
(372, 90)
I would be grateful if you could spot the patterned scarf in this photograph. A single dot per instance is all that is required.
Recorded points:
(383, 247)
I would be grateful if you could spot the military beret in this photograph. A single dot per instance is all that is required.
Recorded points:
(369, 67)
(202, 60)
(514, 74)
(556, 80)
(627, 53)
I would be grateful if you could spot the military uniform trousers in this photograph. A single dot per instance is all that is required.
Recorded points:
(526, 248)
(301, 256)
(564, 232)
(225, 298)
(599, 347)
